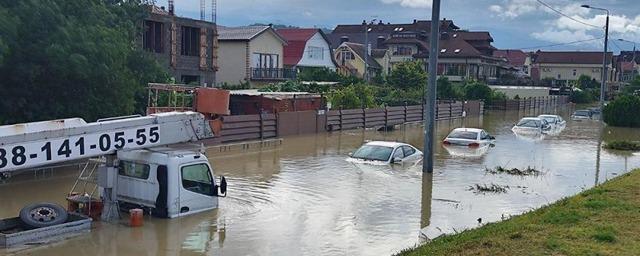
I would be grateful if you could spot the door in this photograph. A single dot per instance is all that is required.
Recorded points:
(409, 153)
(196, 188)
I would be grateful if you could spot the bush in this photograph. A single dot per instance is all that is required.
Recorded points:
(353, 96)
(582, 97)
(623, 145)
(623, 111)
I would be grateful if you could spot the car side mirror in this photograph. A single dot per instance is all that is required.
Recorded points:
(491, 137)
(396, 160)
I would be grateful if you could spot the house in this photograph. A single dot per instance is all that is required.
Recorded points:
(515, 58)
(306, 48)
(252, 54)
(563, 67)
(351, 60)
(186, 46)
(628, 65)
(463, 54)
(466, 55)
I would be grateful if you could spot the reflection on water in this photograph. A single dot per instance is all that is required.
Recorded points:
(305, 199)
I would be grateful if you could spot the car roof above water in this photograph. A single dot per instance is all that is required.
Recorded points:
(391, 144)
(467, 129)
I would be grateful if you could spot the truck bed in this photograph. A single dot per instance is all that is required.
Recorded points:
(13, 232)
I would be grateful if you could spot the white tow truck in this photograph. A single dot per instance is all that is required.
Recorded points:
(140, 168)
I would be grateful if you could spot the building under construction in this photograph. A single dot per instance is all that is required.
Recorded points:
(188, 47)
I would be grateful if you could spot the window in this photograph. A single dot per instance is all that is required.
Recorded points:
(529, 123)
(456, 69)
(575, 72)
(463, 135)
(197, 178)
(190, 79)
(152, 37)
(380, 41)
(443, 50)
(316, 53)
(266, 60)
(133, 170)
(373, 152)
(190, 45)
(408, 150)
(398, 154)
(403, 51)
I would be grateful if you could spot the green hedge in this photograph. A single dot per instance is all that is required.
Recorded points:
(623, 112)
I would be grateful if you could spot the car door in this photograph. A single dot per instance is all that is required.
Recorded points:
(398, 154)
(409, 153)
(196, 188)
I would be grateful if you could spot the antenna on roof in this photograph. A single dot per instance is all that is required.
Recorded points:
(214, 11)
(202, 12)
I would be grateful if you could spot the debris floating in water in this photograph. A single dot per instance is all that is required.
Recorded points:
(492, 188)
(514, 171)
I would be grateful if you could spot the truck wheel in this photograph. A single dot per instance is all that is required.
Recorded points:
(43, 215)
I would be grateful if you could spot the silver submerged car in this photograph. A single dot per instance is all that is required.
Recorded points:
(386, 152)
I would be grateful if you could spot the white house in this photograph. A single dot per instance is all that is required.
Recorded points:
(307, 47)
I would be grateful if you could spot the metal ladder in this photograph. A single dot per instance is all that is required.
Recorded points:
(86, 185)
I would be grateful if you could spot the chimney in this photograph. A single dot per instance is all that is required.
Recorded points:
(415, 21)
(380, 22)
(364, 22)
(171, 7)
(162, 8)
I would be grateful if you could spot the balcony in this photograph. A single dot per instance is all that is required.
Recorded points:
(273, 73)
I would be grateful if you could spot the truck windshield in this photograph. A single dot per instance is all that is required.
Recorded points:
(197, 178)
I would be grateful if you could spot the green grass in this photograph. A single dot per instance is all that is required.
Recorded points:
(623, 145)
(604, 220)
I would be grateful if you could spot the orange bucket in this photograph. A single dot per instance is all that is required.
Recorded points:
(135, 217)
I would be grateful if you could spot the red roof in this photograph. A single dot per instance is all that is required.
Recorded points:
(572, 57)
(297, 38)
(515, 58)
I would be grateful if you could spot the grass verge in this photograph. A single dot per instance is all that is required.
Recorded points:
(623, 145)
(604, 220)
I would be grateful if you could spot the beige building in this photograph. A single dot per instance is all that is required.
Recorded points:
(251, 54)
(564, 67)
(350, 58)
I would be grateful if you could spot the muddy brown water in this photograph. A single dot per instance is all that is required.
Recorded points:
(303, 198)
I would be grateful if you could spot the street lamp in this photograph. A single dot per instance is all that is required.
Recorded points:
(633, 60)
(366, 49)
(604, 59)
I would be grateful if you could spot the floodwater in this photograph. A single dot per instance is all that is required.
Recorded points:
(303, 198)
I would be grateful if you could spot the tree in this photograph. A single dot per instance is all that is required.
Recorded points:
(353, 96)
(407, 75)
(586, 82)
(477, 91)
(633, 87)
(446, 90)
(60, 62)
(623, 111)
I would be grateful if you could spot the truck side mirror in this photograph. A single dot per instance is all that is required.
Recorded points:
(223, 186)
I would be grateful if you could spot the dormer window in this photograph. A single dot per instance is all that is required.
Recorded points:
(443, 50)
(457, 50)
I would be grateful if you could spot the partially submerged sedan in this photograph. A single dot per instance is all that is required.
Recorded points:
(386, 152)
(470, 137)
(531, 125)
(557, 123)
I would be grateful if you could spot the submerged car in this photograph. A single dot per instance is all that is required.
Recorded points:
(579, 115)
(531, 125)
(470, 137)
(386, 152)
(555, 121)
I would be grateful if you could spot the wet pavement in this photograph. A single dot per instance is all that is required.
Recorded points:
(303, 198)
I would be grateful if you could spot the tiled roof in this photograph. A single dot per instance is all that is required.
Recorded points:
(473, 35)
(454, 47)
(573, 57)
(297, 34)
(403, 40)
(378, 53)
(515, 57)
(359, 49)
(241, 33)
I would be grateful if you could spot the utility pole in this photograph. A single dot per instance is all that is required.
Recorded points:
(430, 91)
(604, 60)
(366, 51)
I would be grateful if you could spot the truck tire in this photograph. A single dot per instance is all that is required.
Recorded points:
(43, 215)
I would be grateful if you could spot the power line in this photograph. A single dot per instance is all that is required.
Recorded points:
(561, 44)
(559, 12)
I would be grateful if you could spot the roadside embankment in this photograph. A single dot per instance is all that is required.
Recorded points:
(599, 221)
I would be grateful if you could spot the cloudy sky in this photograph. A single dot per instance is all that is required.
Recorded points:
(512, 23)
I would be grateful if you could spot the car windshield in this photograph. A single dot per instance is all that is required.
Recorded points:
(373, 152)
(550, 119)
(463, 135)
(581, 113)
(529, 123)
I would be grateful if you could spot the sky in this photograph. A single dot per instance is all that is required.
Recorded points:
(514, 24)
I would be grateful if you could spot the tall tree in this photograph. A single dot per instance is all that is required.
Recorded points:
(68, 58)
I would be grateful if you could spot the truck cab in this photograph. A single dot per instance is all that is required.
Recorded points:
(167, 182)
